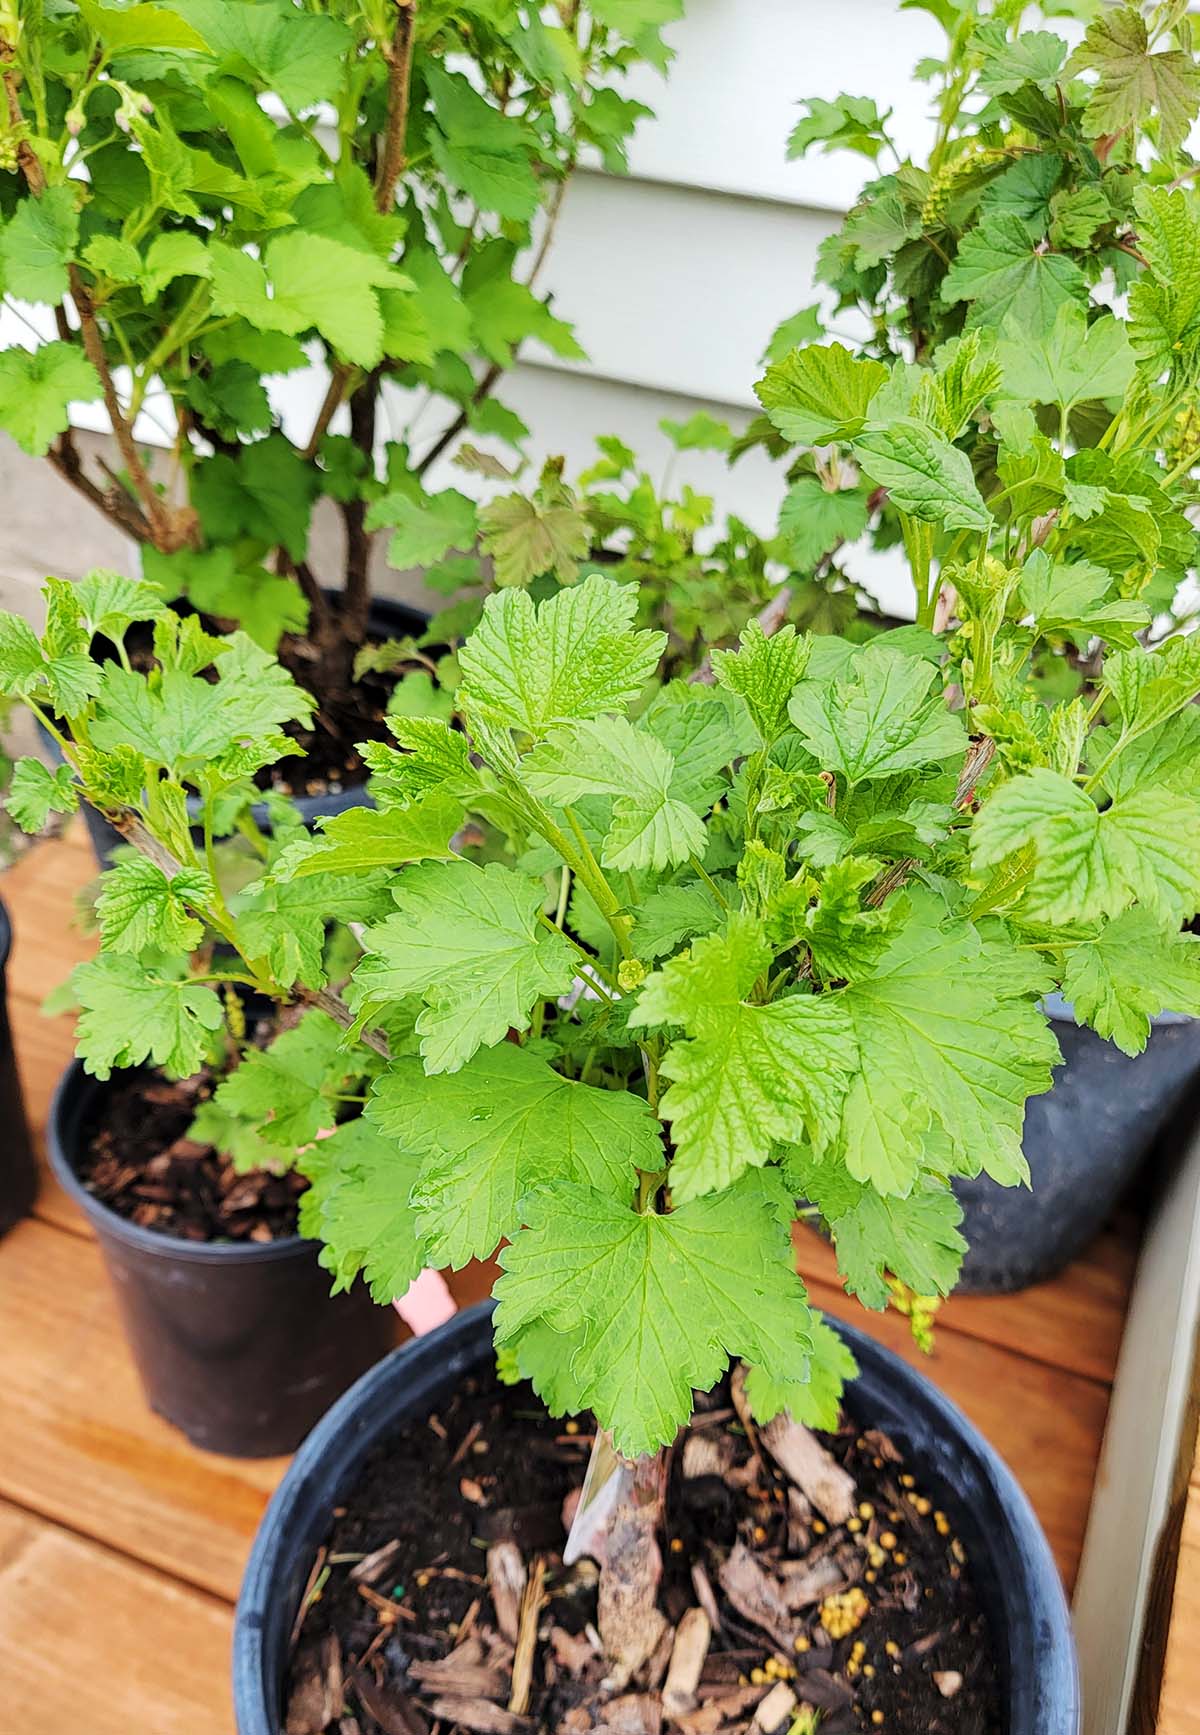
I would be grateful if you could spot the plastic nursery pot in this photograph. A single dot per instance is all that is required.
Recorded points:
(1015, 1574)
(239, 1344)
(18, 1167)
(388, 620)
(1084, 1140)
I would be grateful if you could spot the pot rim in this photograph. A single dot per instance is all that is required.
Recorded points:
(111, 1223)
(1062, 1011)
(447, 1351)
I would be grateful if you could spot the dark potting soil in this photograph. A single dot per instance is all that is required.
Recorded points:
(139, 1161)
(329, 761)
(872, 1623)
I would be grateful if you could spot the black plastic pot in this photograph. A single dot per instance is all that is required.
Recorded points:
(18, 1166)
(1013, 1568)
(239, 1344)
(1084, 1140)
(387, 620)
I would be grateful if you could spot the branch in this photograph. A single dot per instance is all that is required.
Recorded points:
(28, 160)
(482, 390)
(170, 528)
(320, 615)
(114, 502)
(399, 57)
(341, 1014)
(339, 379)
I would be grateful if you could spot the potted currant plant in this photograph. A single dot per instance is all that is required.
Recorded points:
(1047, 220)
(629, 1002)
(229, 1315)
(198, 199)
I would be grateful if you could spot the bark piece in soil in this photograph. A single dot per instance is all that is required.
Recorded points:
(914, 1626)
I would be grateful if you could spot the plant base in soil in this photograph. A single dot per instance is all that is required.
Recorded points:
(440, 1600)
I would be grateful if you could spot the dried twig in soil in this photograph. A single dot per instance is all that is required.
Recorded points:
(506, 1581)
(757, 1596)
(693, 1636)
(801, 1456)
(532, 1602)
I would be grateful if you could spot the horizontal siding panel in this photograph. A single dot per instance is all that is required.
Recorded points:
(742, 66)
(676, 288)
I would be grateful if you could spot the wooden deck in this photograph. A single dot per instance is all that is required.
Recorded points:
(121, 1547)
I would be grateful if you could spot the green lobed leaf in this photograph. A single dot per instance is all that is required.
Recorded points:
(1132, 970)
(1134, 82)
(747, 1076)
(527, 537)
(358, 1206)
(815, 1402)
(364, 838)
(285, 1092)
(132, 1014)
(652, 826)
(140, 907)
(925, 476)
(1144, 848)
(36, 245)
(943, 1032)
(37, 388)
(425, 526)
(1000, 271)
(503, 1126)
(1071, 362)
(35, 792)
(880, 719)
(569, 658)
(764, 672)
(663, 1301)
(467, 939)
(820, 394)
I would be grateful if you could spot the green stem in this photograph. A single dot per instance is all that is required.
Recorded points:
(564, 893)
(592, 875)
(604, 983)
(710, 882)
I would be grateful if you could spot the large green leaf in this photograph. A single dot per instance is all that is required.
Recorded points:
(503, 1126)
(663, 1301)
(467, 940)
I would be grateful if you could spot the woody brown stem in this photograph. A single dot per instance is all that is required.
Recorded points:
(357, 599)
(399, 57)
(114, 502)
(979, 757)
(170, 530)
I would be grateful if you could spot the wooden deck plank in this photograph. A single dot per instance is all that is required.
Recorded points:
(1074, 1322)
(92, 1641)
(78, 1442)
(39, 891)
(1179, 1704)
